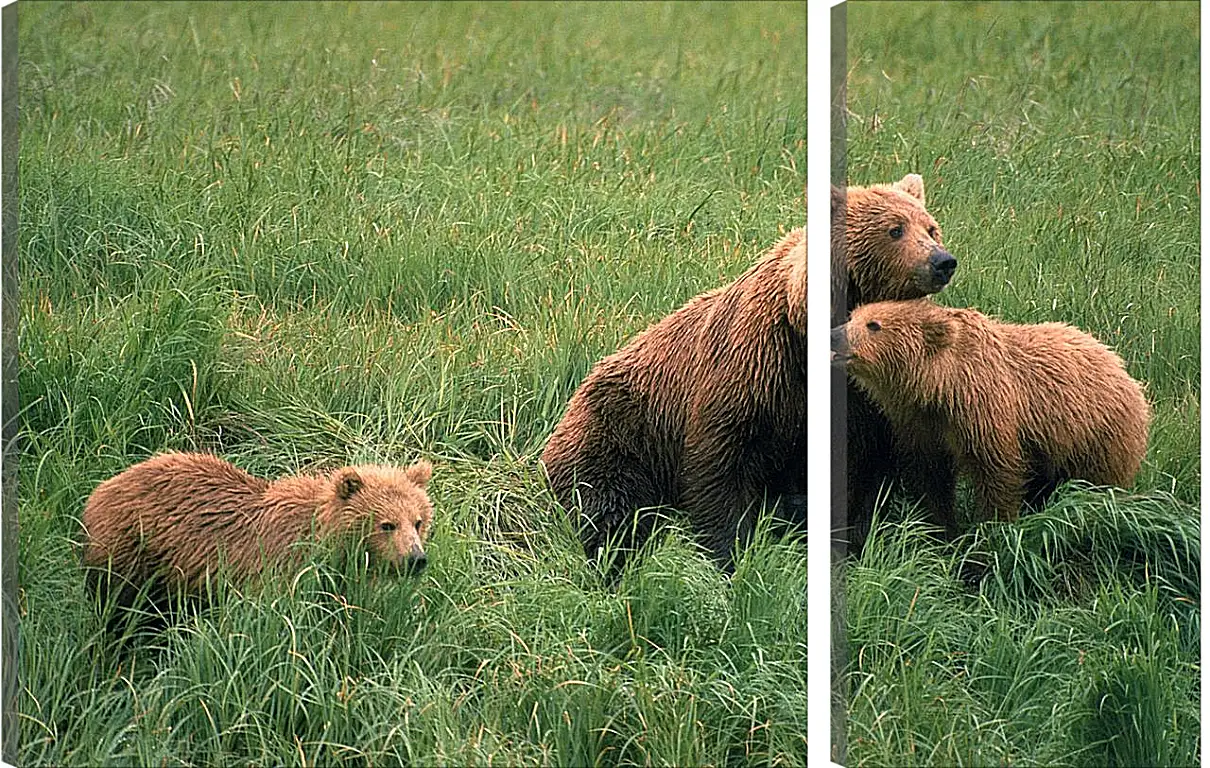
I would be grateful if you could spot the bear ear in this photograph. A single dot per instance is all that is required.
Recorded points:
(913, 184)
(348, 482)
(420, 472)
(938, 334)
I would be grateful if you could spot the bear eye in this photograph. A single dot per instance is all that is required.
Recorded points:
(933, 232)
(874, 325)
(388, 527)
(418, 523)
(896, 232)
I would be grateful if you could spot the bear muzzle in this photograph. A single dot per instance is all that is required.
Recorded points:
(414, 562)
(941, 267)
(840, 346)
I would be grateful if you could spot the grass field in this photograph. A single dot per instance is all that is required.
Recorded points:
(1059, 146)
(302, 235)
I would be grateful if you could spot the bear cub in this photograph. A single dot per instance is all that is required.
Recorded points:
(1019, 408)
(175, 517)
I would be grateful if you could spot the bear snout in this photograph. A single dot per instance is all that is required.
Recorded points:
(942, 265)
(414, 562)
(839, 345)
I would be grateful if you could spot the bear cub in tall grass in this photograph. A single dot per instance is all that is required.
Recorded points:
(1020, 408)
(176, 517)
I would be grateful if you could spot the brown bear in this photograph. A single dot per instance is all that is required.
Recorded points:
(705, 412)
(885, 245)
(174, 517)
(1019, 408)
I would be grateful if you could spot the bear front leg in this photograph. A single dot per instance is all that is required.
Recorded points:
(869, 459)
(614, 502)
(999, 476)
(720, 525)
(721, 490)
(929, 474)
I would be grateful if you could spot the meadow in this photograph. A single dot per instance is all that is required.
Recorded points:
(309, 234)
(1059, 147)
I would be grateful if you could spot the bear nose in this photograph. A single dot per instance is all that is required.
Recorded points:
(415, 561)
(839, 344)
(943, 263)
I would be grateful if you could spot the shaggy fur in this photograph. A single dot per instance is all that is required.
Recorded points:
(1020, 408)
(704, 411)
(885, 245)
(175, 516)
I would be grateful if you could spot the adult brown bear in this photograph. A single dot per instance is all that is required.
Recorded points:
(705, 411)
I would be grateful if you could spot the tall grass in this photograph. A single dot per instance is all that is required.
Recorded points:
(307, 235)
(1058, 144)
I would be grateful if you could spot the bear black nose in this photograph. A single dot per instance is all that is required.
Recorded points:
(943, 263)
(415, 562)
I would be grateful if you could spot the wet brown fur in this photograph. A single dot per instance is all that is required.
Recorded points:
(1011, 404)
(177, 515)
(704, 411)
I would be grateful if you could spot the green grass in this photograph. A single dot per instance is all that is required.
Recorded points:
(311, 234)
(1059, 146)
(308, 235)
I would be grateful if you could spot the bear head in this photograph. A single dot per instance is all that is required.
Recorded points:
(390, 508)
(886, 245)
(886, 342)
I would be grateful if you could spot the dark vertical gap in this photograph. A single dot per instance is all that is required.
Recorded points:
(8, 384)
(838, 411)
